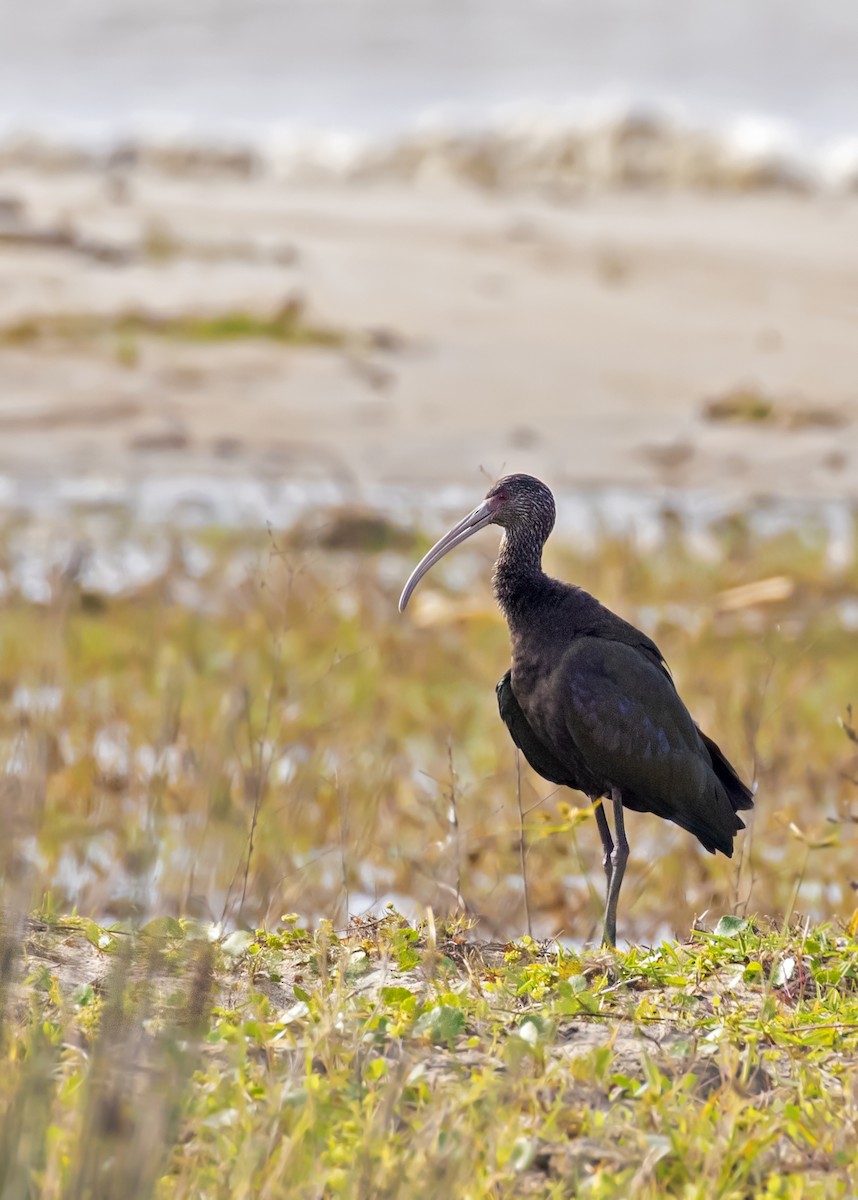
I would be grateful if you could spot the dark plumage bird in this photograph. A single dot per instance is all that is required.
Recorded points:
(589, 700)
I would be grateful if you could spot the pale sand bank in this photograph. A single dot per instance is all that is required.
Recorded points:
(579, 341)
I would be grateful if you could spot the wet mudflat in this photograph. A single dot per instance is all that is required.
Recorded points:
(180, 316)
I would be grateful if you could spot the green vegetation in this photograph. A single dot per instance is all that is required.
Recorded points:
(255, 733)
(750, 406)
(289, 324)
(389, 1061)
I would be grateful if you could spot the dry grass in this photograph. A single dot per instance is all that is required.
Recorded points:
(256, 733)
(278, 692)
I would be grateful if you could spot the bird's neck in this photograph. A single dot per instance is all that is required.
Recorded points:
(518, 575)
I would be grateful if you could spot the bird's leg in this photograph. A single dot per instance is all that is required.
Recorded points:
(605, 835)
(619, 858)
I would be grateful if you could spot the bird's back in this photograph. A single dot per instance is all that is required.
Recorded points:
(596, 694)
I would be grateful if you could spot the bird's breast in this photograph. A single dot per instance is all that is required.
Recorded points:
(533, 679)
(529, 666)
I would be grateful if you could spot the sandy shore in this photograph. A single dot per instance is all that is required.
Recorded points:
(580, 340)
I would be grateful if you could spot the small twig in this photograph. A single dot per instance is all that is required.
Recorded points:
(262, 769)
(746, 844)
(522, 847)
(342, 812)
(756, 723)
(257, 801)
(794, 897)
(542, 800)
(453, 820)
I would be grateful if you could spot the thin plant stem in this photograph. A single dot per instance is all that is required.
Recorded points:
(799, 880)
(453, 820)
(522, 846)
(342, 811)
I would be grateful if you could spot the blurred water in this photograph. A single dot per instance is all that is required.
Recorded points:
(379, 67)
(123, 536)
(584, 514)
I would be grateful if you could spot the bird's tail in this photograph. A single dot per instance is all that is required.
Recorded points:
(738, 793)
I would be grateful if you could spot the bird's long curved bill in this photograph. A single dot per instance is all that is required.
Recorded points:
(478, 519)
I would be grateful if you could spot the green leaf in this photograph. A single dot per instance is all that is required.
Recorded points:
(407, 956)
(395, 995)
(602, 1060)
(729, 926)
(97, 936)
(375, 1069)
(84, 995)
(442, 1023)
(164, 927)
(572, 985)
(532, 1028)
(523, 1154)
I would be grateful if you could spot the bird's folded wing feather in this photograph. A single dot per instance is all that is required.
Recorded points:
(629, 724)
(535, 751)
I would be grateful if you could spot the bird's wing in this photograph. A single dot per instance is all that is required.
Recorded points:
(534, 750)
(741, 796)
(630, 727)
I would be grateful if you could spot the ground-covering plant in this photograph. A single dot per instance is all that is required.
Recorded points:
(392, 1061)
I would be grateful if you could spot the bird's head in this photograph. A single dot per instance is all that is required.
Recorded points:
(520, 504)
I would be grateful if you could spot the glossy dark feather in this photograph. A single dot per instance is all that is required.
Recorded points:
(614, 719)
(540, 758)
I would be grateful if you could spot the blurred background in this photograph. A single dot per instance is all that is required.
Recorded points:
(283, 286)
